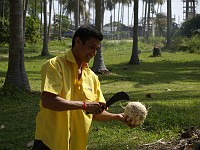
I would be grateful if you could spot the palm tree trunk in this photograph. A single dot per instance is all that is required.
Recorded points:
(118, 22)
(60, 22)
(45, 51)
(169, 24)
(99, 65)
(76, 15)
(194, 6)
(148, 21)
(49, 27)
(54, 19)
(16, 75)
(145, 20)
(35, 9)
(24, 20)
(134, 57)
(2, 8)
(41, 9)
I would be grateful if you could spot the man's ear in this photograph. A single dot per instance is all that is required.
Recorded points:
(78, 41)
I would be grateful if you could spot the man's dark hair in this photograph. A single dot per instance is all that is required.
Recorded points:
(85, 32)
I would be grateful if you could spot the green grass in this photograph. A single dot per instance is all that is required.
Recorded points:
(173, 81)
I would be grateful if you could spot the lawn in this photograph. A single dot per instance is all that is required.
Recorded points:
(172, 80)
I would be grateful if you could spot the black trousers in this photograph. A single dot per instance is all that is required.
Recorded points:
(39, 145)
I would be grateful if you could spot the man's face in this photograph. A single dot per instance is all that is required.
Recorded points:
(88, 49)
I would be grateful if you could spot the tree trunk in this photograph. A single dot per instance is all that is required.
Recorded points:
(76, 15)
(49, 27)
(16, 75)
(148, 21)
(54, 19)
(35, 9)
(118, 22)
(145, 20)
(24, 20)
(169, 24)
(41, 10)
(60, 22)
(194, 7)
(2, 8)
(45, 51)
(98, 65)
(134, 57)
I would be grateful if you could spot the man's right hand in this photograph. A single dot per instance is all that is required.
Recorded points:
(95, 107)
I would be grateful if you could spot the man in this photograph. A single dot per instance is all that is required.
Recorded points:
(69, 90)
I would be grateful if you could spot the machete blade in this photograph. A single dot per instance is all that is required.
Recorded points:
(117, 97)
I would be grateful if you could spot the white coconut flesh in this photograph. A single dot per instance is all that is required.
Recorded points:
(136, 112)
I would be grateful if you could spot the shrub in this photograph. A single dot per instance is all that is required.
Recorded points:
(32, 30)
(190, 27)
(4, 30)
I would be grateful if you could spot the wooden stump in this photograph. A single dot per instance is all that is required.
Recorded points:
(156, 52)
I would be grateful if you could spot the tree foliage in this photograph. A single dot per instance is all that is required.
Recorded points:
(191, 27)
(4, 30)
(32, 30)
(65, 22)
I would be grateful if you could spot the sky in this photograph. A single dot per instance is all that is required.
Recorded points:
(177, 12)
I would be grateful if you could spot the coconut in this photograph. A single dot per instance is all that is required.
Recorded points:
(136, 112)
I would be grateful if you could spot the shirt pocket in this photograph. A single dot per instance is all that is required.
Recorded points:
(88, 93)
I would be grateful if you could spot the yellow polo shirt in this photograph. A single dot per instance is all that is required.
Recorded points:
(66, 130)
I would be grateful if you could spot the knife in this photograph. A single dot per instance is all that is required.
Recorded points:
(115, 98)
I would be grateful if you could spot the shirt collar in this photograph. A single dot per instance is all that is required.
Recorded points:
(70, 57)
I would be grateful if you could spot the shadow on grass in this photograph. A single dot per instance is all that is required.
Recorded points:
(154, 72)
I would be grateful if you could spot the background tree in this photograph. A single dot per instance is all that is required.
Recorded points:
(134, 57)
(109, 6)
(60, 21)
(25, 6)
(45, 51)
(49, 26)
(161, 24)
(169, 23)
(190, 27)
(16, 75)
(4, 30)
(76, 15)
(99, 65)
(4, 8)
(32, 34)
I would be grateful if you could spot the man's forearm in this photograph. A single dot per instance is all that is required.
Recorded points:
(106, 116)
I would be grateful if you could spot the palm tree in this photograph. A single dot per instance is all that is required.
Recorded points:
(134, 57)
(60, 22)
(109, 6)
(49, 27)
(2, 4)
(4, 8)
(76, 15)
(148, 5)
(16, 74)
(25, 4)
(144, 19)
(169, 23)
(78, 8)
(99, 65)
(45, 51)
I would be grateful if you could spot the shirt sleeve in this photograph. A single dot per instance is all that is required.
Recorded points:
(51, 77)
